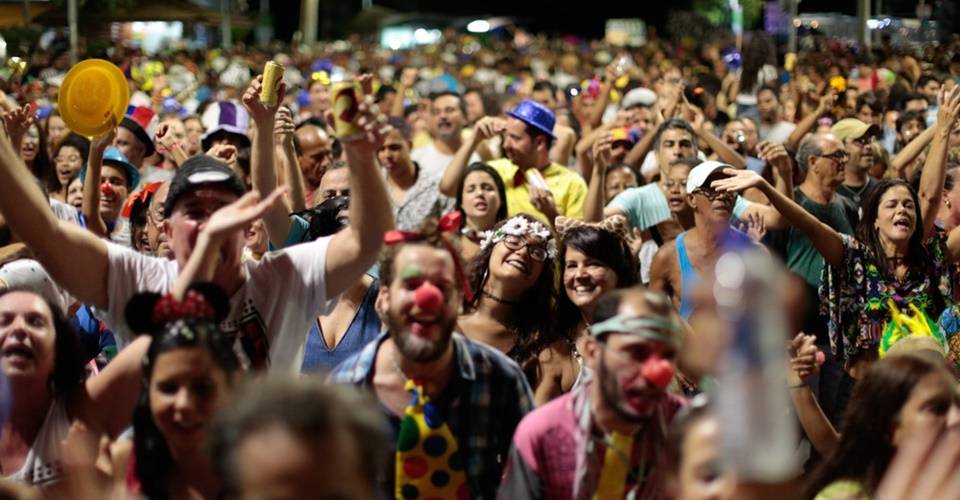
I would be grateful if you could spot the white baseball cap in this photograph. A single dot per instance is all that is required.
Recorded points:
(701, 172)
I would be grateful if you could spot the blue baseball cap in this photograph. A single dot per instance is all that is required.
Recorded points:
(536, 115)
(113, 157)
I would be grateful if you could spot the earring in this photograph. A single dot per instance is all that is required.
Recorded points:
(947, 202)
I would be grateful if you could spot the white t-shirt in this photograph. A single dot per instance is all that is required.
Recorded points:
(777, 133)
(270, 314)
(432, 160)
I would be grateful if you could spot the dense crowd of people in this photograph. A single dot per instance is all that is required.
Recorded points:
(491, 267)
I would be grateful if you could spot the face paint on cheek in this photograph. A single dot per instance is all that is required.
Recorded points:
(410, 271)
(657, 371)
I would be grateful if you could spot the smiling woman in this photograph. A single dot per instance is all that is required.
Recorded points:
(513, 279)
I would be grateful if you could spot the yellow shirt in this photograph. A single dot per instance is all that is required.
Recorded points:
(567, 187)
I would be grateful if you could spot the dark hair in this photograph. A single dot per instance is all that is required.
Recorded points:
(530, 318)
(541, 85)
(82, 145)
(401, 125)
(866, 435)
(308, 410)
(68, 363)
(925, 79)
(759, 51)
(771, 89)
(534, 132)
(674, 124)
(608, 304)
(914, 97)
(867, 233)
(910, 116)
(383, 91)
(138, 215)
(699, 409)
(460, 102)
(599, 244)
(950, 177)
(497, 181)
(154, 463)
(870, 100)
(42, 167)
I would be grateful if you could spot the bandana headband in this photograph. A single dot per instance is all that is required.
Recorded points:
(521, 226)
(647, 327)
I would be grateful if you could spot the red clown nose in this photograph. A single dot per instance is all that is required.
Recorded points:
(107, 189)
(658, 372)
(428, 298)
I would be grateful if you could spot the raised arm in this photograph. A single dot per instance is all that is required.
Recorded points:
(408, 77)
(912, 150)
(808, 122)
(486, 128)
(293, 178)
(91, 183)
(276, 220)
(934, 168)
(106, 402)
(353, 250)
(724, 152)
(827, 241)
(776, 155)
(167, 143)
(594, 202)
(74, 257)
(803, 362)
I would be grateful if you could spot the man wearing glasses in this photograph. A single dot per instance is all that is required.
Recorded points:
(856, 137)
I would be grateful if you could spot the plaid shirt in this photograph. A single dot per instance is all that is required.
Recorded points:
(483, 405)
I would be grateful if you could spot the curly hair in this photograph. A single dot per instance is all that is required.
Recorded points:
(530, 320)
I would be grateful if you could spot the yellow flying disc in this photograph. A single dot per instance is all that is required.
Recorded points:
(92, 92)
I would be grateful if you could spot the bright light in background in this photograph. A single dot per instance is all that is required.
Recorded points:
(478, 26)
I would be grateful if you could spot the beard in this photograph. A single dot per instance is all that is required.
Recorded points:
(415, 347)
(614, 397)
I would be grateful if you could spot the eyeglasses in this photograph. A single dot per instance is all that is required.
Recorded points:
(537, 251)
(839, 156)
(712, 194)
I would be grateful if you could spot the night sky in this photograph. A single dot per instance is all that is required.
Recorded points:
(583, 17)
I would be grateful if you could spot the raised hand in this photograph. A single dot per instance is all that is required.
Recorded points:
(542, 200)
(924, 467)
(489, 126)
(103, 141)
(366, 84)
(805, 358)
(827, 102)
(225, 153)
(756, 227)
(776, 155)
(949, 107)
(601, 151)
(18, 122)
(261, 112)
(283, 127)
(739, 180)
(239, 214)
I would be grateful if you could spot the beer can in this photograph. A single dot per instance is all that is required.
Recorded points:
(272, 76)
(346, 106)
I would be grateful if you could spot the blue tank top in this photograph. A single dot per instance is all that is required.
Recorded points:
(689, 278)
(364, 328)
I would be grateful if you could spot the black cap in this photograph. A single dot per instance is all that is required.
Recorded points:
(141, 134)
(201, 170)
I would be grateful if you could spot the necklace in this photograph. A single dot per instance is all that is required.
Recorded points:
(499, 299)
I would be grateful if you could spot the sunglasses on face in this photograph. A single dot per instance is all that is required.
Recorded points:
(712, 194)
(839, 156)
(537, 251)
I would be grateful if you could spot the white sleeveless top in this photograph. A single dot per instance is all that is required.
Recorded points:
(43, 467)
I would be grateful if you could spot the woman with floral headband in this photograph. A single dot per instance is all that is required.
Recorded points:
(594, 259)
(513, 282)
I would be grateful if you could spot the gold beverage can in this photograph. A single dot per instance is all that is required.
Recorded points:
(272, 76)
(346, 106)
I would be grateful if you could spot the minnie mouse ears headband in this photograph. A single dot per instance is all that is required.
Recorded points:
(151, 312)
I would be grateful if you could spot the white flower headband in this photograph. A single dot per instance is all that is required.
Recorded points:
(521, 226)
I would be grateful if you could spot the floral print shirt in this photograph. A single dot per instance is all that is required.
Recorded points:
(855, 296)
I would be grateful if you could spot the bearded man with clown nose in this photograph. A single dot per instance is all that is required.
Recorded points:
(601, 440)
